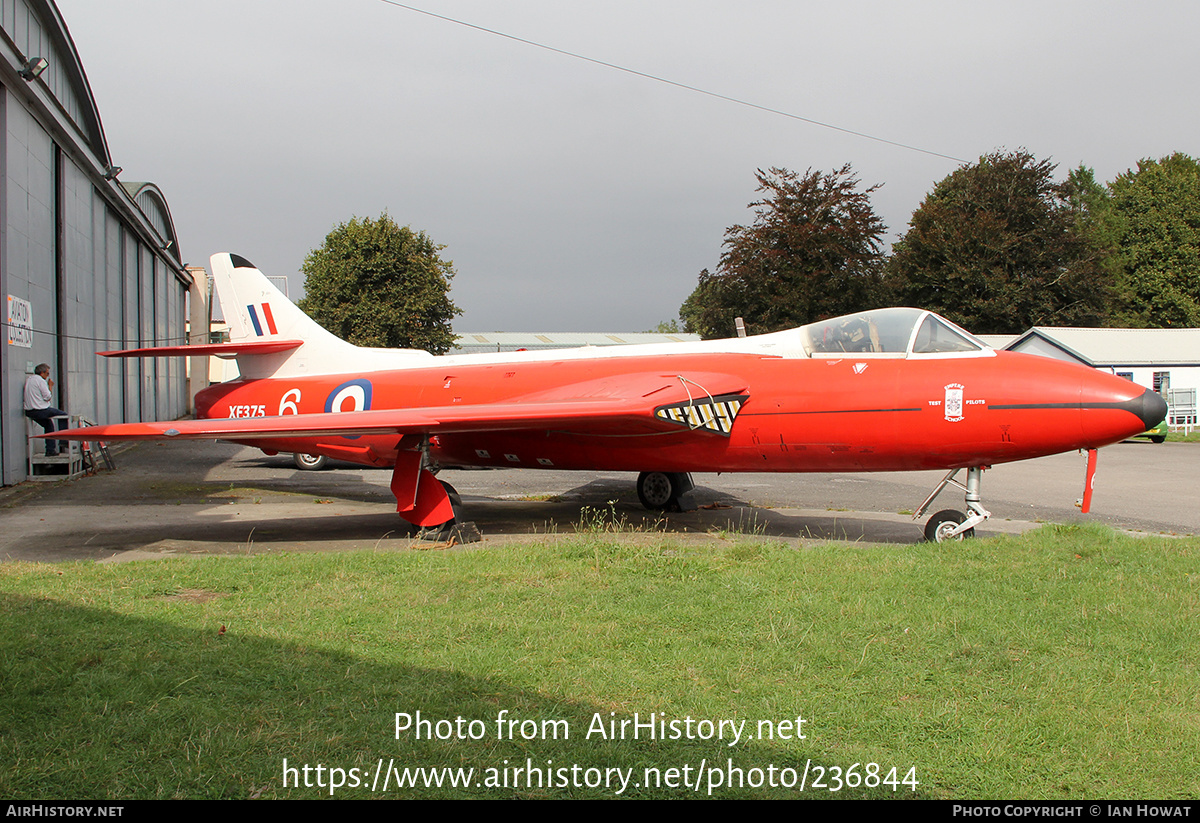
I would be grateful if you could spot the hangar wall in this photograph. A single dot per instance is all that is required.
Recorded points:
(93, 262)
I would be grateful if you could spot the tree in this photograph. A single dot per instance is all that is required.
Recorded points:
(704, 312)
(813, 251)
(1097, 225)
(996, 247)
(1159, 238)
(666, 327)
(374, 283)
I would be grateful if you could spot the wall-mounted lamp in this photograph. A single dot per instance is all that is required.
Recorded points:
(111, 172)
(33, 68)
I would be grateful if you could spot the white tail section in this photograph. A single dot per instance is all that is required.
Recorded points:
(257, 311)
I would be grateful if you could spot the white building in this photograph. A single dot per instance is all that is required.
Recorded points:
(498, 341)
(1165, 360)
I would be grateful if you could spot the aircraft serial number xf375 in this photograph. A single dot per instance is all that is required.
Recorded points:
(885, 390)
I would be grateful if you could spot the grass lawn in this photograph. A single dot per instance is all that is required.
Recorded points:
(1062, 664)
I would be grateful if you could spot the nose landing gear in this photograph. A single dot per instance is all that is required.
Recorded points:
(950, 524)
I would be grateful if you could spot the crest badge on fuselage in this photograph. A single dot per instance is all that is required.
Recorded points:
(953, 403)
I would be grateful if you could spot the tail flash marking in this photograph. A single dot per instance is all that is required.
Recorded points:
(266, 309)
(254, 320)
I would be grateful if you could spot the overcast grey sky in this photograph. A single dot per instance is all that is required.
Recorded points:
(575, 197)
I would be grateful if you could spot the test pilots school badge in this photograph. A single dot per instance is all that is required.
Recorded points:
(953, 404)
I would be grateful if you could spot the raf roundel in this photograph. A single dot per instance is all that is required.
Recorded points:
(357, 391)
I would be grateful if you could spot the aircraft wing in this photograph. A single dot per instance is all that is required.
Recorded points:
(628, 404)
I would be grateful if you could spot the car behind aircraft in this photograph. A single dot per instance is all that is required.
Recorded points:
(884, 390)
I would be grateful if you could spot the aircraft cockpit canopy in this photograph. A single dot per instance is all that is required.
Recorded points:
(899, 332)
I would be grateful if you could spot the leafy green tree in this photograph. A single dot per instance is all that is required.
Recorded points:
(1098, 226)
(814, 250)
(666, 327)
(996, 247)
(374, 283)
(703, 311)
(1159, 240)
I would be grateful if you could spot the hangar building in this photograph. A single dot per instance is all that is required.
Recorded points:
(86, 262)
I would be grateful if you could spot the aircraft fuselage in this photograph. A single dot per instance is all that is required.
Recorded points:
(801, 414)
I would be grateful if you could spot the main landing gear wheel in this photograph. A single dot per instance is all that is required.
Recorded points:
(310, 462)
(660, 491)
(442, 531)
(455, 501)
(655, 490)
(938, 529)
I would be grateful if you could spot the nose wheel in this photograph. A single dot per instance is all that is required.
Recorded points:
(943, 527)
(950, 524)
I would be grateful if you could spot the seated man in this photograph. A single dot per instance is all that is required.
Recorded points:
(37, 405)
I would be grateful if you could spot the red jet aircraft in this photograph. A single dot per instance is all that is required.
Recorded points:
(885, 390)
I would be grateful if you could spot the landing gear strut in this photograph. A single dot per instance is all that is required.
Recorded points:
(660, 491)
(950, 524)
(430, 505)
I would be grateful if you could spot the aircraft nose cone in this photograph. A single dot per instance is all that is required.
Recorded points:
(1110, 415)
(1151, 408)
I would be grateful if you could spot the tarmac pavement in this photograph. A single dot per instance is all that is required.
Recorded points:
(172, 499)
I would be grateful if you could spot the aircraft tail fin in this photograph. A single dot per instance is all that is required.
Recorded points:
(258, 313)
(254, 308)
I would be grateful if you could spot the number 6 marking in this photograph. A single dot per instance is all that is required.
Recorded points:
(291, 406)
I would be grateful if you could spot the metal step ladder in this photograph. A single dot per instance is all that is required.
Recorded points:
(74, 460)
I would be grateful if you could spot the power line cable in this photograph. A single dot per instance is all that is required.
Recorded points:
(674, 83)
(108, 341)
